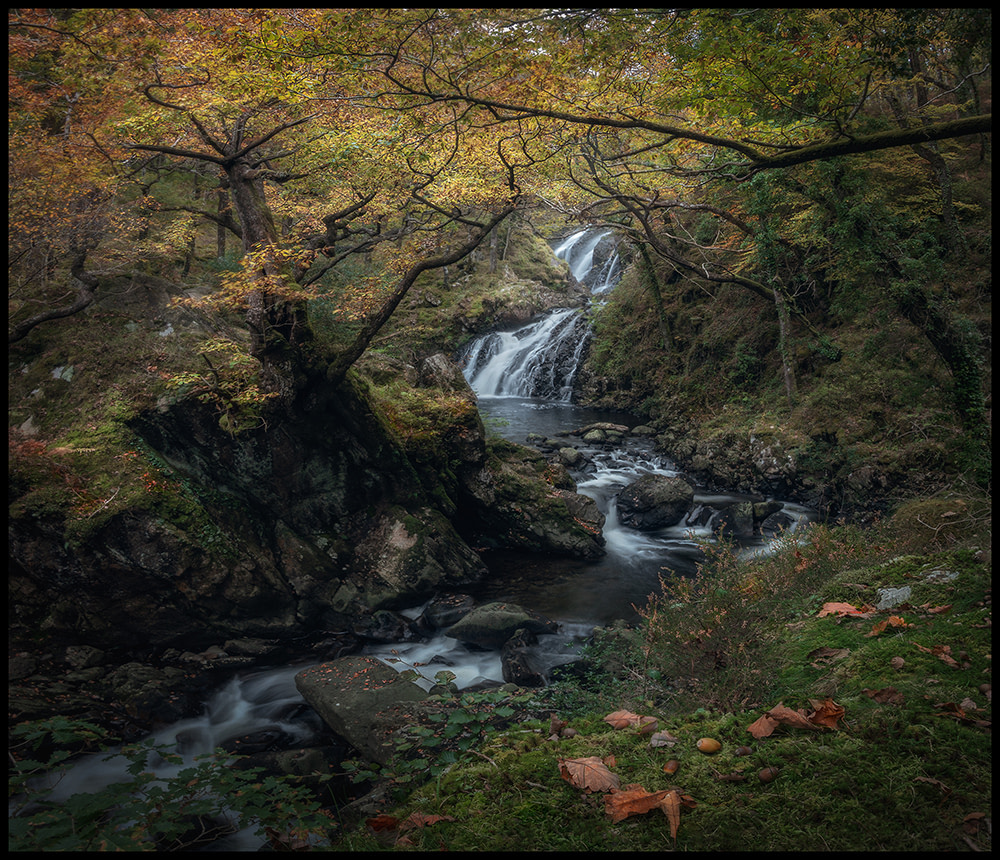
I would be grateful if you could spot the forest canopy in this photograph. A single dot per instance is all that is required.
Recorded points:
(731, 144)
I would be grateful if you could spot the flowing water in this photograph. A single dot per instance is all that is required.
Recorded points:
(524, 382)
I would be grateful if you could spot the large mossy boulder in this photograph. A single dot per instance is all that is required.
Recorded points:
(362, 700)
(654, 501)
(492, 624)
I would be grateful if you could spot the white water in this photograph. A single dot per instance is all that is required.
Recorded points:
(507, 370)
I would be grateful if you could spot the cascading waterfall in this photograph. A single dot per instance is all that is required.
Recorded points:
(541, 359)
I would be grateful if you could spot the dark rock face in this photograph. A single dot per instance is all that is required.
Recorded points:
(306, 521)
(654, 501)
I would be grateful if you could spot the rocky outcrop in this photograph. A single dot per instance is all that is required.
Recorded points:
(654, 501)
(518, 501)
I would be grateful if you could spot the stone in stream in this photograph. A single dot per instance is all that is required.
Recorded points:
(654, 501)
(492, 624)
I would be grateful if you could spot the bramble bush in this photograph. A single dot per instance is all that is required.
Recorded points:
(706, 636)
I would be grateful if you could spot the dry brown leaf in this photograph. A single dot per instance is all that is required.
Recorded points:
(777, 716)
(418, 819)
(632, 800)
(885, 696)
(826, 713)
(838, 609)
(663, 739)
(647, 725)
(622, 719)
(942, 652)
(589, 774)
(881, 626)
(935, 782)
(383, 822)
(671, 806)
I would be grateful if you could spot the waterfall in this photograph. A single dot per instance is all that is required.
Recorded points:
(541, 359)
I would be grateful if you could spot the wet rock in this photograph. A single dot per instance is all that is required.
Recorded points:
(654, 501)
(518, 666)
(445, 610)
(384, 625)
(492, 624)
(734, 521)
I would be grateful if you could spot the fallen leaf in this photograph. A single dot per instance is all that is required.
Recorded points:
(622, 719)
(632, 800)
(671, 806)
(881, 626)
(663, 739)
(418, 819)
(383, 822)
(779, 715)
(971, 822)
(647, 725)
(885, 696)
(589, 774)
(942, 652)
(842, 609)
(935, 782)
(826, 713)
(897, 663)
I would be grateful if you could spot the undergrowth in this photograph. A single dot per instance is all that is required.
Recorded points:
(905, 767)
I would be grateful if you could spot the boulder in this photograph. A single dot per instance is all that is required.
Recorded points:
(654, 501)
(518, 666)
(445, 610)
(492, 624)
(362, 700)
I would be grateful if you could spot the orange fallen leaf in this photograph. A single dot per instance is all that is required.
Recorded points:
(418, 819)
(942, 652)
(780, 715)
(838, 609)
(625, 719)
(826, 713)
(632, 800)
(881, 626)
(589, 774)
(383, 822)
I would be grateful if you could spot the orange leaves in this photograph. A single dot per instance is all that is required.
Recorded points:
(625, 719)
(842, 609)
(592, 774)
(826, 714)
(589, 774)
(391, 830)
(635, 800)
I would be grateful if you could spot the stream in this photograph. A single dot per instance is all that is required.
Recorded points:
(523, 379)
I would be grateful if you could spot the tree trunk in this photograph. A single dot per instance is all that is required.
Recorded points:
(787, 368)
(666, 336)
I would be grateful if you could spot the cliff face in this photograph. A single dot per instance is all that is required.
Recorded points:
(312, 517)
(317, 517)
